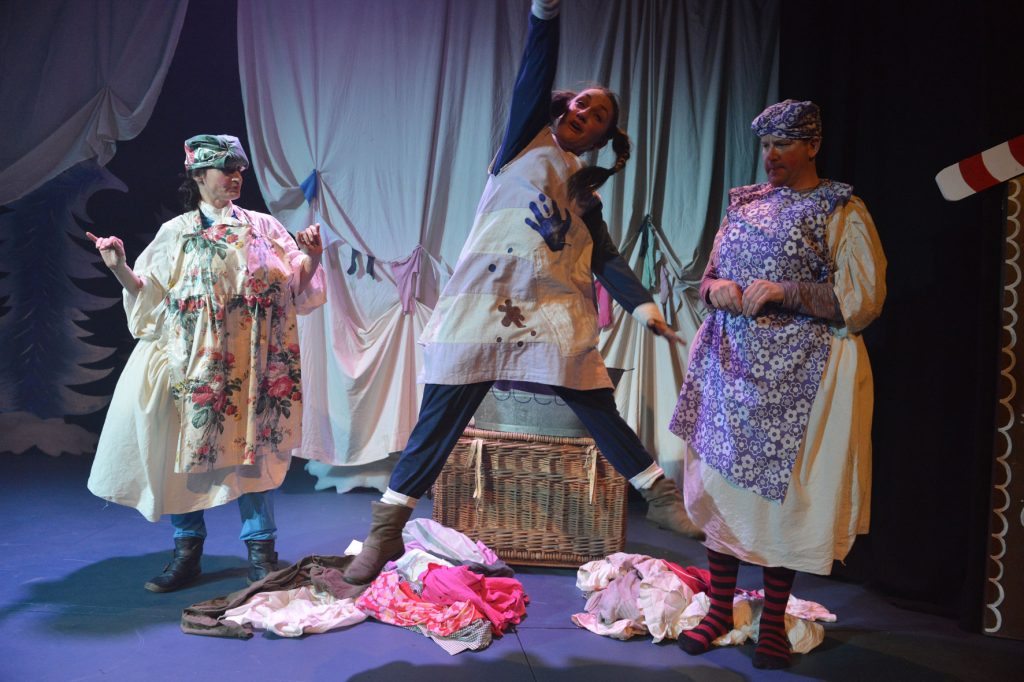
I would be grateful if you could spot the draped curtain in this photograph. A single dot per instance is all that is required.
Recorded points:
(77, 77)
(379, 119)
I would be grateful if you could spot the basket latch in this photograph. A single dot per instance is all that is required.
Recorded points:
(476, 459)
(592, 472)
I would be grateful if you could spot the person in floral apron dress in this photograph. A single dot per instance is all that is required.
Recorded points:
(209, 406)
(776, 404)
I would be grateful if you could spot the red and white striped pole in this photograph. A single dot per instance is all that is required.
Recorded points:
(981, 171)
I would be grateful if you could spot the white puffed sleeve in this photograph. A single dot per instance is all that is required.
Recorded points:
(156, 266)
(859, 265)
(315, 294)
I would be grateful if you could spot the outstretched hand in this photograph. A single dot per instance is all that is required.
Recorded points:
(309, 241)
(659, 328)
(111, 250)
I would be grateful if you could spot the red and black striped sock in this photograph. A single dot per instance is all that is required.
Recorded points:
(719, 619)
(772, 644)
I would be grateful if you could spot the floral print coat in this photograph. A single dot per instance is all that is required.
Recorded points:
(220, 299)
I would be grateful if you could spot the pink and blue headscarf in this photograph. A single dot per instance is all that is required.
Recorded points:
(789, 119)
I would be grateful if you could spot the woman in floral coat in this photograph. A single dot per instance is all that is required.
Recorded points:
(209, 406)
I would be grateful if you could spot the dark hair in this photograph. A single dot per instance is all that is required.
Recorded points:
(587, 180)
(188, 191)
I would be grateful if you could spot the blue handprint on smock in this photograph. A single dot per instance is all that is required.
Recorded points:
(550, 225)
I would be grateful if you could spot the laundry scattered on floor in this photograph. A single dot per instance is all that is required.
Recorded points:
(461, 595)
(446, 587)
(630, 595)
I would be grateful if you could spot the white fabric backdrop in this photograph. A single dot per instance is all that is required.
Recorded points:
(399, 106)
(76, 78)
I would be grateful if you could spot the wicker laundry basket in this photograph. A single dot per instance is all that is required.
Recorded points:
(535, 500)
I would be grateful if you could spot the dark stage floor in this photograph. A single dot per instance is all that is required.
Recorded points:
(72, 607)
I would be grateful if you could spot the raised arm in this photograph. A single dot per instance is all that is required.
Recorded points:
(310, 244)
(112, 251)
(304, 251)
(531, 96)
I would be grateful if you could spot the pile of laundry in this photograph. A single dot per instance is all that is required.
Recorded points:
(634, 594)
(447, 587)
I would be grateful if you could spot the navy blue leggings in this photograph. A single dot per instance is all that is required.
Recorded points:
(447, 409)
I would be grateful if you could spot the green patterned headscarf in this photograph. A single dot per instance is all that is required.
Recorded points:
(214, 151)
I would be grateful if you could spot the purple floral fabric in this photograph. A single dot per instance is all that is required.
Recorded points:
(747, 396)
(789, 119)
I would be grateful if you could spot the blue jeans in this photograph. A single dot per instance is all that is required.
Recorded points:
(256, 510)
(446, 409)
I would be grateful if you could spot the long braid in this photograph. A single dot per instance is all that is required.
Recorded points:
(621, 146)
(586, 180)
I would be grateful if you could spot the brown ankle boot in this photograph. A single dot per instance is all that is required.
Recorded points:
(383, 544)
(665, 509)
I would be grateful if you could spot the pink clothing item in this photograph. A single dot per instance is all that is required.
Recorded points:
(501, 600)
(453, 547)
(604, 306)
(631, 594)
(597, 575)
(618, 601)
(697, 579)
(407, 276)
(634, 594)
(391, 600)
(296, 612)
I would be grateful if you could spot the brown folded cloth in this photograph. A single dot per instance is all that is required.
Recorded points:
(322, 572)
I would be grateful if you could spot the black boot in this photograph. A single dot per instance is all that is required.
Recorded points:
(262, 559)
(184, 567)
